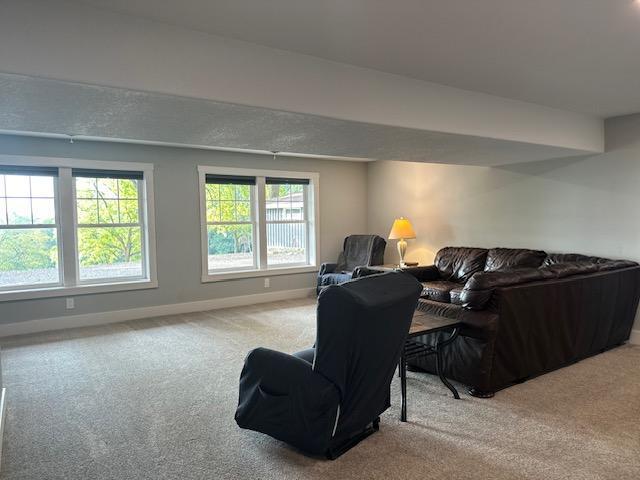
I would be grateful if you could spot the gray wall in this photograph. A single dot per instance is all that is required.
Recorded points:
(342, 211)
(586, 204)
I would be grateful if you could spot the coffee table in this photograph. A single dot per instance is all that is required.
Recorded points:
(424, 323)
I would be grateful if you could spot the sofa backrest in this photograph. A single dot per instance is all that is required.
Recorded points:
(457, 264)
(555, 258)
(584, 263)
(513, 258)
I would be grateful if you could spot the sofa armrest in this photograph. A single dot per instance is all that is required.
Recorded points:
(327, 267)
(424, 274)
(561, 320)
(480, 287)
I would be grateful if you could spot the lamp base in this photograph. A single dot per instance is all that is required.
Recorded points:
(402, 249)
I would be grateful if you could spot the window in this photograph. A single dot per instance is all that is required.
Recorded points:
(230, 224)
(70, 229)
(287, 224)
(110, 232)
(257, 223)
(29, 228)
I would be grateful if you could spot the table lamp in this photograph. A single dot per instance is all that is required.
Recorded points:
(400, 230)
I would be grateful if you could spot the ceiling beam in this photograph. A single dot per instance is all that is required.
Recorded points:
(75, 42)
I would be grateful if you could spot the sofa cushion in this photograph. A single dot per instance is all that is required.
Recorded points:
(456, 295)
(457, 264)
(513, 258)
(438, 290)
(334, 279)
(439, 309)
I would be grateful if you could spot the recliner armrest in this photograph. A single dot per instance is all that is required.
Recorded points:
(282, 396)
(364, 271)
(277, 370)
(283, 374)
(327, 267)
(425, 274)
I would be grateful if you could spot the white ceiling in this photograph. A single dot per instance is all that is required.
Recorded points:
(578, 55)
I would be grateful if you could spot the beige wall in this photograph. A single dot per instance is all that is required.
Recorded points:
(585, 205)
(342, 211)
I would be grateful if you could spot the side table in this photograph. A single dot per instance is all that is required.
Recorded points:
(422, 324)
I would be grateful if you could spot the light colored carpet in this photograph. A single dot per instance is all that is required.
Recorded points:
(154, 399)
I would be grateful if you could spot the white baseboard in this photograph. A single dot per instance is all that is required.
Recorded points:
(635, 337)
(101, 318)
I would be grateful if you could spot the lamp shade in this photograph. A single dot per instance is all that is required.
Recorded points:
(401, 228)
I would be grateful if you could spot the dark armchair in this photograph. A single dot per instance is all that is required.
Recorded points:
(326, 399)
(357, 250)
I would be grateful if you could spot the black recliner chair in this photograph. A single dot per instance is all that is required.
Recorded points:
(326, 399)
(357, 250)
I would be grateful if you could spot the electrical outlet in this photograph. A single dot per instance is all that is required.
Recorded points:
(267, 282)
(71, 303)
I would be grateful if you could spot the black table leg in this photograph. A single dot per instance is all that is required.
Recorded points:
(439, 362)
(403, 386)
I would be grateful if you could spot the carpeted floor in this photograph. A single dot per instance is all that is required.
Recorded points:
(154, 399)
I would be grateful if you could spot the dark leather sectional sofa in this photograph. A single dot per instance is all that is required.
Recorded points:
(525, 312)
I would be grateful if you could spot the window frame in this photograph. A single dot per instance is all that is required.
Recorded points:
(141, 224)
(56, 226)
(254, 240)
(70, 283)
(260, 225)
(305, 221)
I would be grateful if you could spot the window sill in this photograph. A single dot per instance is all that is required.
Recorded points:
(59, 291)
(222, 276)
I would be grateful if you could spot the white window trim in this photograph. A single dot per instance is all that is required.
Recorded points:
(262, 270)
(77, 280)
(68, 234)
(254, 241)
(58, 228)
